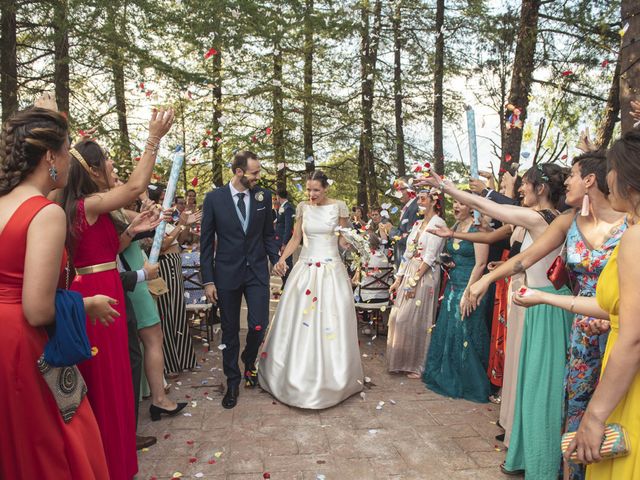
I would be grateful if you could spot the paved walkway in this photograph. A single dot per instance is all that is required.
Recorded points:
(397, 430)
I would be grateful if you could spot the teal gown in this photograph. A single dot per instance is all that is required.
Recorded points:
(456, 364)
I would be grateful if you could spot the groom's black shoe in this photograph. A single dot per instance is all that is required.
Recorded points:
(251, 378)
(231, 397)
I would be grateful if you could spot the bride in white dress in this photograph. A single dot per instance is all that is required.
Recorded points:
(311, 358)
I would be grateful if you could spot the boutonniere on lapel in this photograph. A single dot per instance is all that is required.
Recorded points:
(259, 196)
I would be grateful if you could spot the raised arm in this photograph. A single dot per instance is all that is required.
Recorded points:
(551, 239)
(125, 194)
(489, 237)
(512, 214)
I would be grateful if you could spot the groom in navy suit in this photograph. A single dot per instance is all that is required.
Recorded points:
(236, 238)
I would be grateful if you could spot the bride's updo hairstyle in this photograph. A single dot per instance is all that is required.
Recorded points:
(319, 176)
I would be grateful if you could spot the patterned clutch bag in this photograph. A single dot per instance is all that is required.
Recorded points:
(614, 444)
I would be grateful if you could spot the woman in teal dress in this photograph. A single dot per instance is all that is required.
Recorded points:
(457, 360)
(534, 446)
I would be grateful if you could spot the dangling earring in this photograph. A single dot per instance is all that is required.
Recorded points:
(585, 206)
(53, 173)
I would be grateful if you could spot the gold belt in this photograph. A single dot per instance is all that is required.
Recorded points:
(100, 267)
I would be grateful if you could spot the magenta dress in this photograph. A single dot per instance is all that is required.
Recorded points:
(108, 373)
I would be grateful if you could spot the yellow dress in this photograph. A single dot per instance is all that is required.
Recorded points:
(627, 413)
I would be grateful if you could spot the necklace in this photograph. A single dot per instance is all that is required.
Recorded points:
(455, 244)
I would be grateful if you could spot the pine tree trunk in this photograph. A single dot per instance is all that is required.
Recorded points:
(438, 102)
(521, 80)
(611, 112)
(308, 87)
(366, 163)
(364, 52)
(61, 54)
(216, 149)
(629, 61)
(117, 70)
(277, 128)
(397, 87)
(8, 60)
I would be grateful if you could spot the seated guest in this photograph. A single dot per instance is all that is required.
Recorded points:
(358, 218)
(379, 225)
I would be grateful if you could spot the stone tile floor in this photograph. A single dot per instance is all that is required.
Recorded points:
(414, 434)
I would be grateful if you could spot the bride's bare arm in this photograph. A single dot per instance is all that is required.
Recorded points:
(280, 268)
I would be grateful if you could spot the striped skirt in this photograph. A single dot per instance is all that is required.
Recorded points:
(177, 346)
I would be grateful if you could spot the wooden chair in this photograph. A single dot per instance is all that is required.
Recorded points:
(201, 315)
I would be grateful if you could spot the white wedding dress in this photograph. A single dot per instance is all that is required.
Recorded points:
(310, 357)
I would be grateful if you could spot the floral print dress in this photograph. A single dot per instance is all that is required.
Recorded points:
(585, 351)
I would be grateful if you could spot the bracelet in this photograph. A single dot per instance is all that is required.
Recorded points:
(573, 304)
(128, 233)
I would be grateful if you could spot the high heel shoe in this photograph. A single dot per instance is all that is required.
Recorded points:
(157, 412)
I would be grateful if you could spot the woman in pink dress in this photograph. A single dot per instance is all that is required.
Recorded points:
(93, 243)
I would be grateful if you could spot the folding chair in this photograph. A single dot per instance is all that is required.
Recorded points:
(201, 314)
(375, 280)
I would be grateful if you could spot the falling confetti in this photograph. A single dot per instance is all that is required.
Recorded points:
(222, 346)
(210, 53)
(94, 351)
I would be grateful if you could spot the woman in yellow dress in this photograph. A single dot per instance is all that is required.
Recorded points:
(617, 397)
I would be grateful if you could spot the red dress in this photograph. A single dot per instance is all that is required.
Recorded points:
(35, 443)
(108, 373)
(499, 329)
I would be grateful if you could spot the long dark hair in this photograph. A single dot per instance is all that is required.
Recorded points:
(624, 158)
(81, 185)
(26, 137)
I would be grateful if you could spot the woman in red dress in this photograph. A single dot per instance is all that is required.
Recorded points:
(35, 441)
(93, 243)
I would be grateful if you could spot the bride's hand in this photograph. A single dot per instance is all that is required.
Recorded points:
(280, 268)
(394, 286)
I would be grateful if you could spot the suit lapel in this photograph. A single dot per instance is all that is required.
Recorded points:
(232, 207)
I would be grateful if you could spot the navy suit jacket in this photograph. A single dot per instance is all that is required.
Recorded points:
(284, 224)
(225, 250)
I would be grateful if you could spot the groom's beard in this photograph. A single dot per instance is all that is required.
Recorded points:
(246, 183)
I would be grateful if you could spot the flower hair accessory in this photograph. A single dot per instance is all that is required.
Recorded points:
(545, 177)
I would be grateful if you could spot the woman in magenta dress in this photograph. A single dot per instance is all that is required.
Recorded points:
(35, 442)
(94, 244)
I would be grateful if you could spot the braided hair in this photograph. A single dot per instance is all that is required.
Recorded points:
(26, 137)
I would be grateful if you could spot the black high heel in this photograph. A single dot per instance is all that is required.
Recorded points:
(157, 412)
